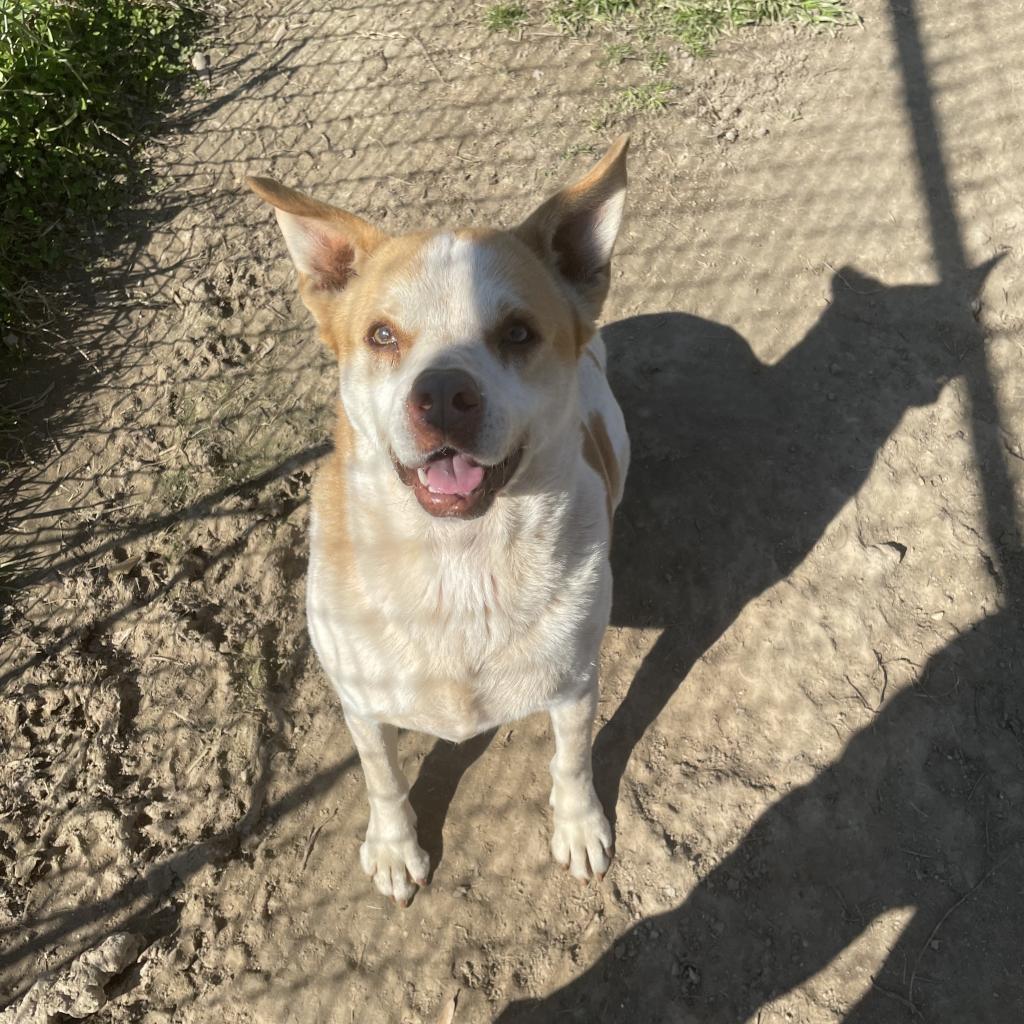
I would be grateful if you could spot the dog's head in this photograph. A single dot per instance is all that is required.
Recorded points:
(458, 349)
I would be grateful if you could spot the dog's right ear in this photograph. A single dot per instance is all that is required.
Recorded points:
(326, 244)
(574, 232)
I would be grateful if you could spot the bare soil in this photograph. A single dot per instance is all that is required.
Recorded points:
(811, 729)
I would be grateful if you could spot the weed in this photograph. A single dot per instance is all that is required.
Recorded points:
(504, 17)
(579, 15)
(697, 24)
(173, 487)
(578, 148)
(649, 98)
(618, 53)
(657, 61)
(75, 75)
(249, 681)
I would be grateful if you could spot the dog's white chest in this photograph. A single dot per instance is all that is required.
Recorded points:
(457, 644)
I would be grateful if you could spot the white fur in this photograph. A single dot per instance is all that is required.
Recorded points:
(306, 240)
(604, 228)
(447, 302)
(489, 619)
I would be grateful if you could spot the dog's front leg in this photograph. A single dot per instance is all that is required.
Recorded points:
(582, 840)
(390, 855)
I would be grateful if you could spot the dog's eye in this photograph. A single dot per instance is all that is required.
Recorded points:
(516, 333)
(382, 336)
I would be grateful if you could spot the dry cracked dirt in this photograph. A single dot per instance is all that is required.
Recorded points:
(811, 730)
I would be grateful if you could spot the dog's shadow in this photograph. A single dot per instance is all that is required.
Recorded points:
(738, 467)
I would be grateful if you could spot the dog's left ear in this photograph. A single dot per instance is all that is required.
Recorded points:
(574, 232)
(328, 245)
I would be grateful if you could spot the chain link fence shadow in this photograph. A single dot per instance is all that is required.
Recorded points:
(795, 336)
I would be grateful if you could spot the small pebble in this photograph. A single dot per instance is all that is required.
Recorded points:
(201, 62)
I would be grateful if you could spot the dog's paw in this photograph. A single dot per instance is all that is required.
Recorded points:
(583, 843)
(397, 866)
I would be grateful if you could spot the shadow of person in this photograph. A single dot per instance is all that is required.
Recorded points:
(738, 466)
(924, 810)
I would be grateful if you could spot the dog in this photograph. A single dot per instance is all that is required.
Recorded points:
(459, 572)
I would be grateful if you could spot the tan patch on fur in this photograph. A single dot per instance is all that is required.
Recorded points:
(345, 317)
(545, 305)
(600, 456)
(342, 281)
(330, 499)
(351, 260)
(584, 332)
(355, 261)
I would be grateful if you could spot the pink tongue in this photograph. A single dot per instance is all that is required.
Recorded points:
(455, 474)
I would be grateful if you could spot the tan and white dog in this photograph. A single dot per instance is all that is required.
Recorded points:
(458, 571)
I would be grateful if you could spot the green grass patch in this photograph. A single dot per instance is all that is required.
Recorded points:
(504, 17)
(697, 24)
(649, 98)
(657, 60)
(618, 53)
(580, 15)
(76, 79)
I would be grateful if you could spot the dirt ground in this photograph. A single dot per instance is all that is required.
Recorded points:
(811, 728)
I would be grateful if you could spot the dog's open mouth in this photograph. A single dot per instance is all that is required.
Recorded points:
(452, 483)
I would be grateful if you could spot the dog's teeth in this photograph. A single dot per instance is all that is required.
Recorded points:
(422, 475)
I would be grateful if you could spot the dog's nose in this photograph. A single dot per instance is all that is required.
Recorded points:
(445, 406)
